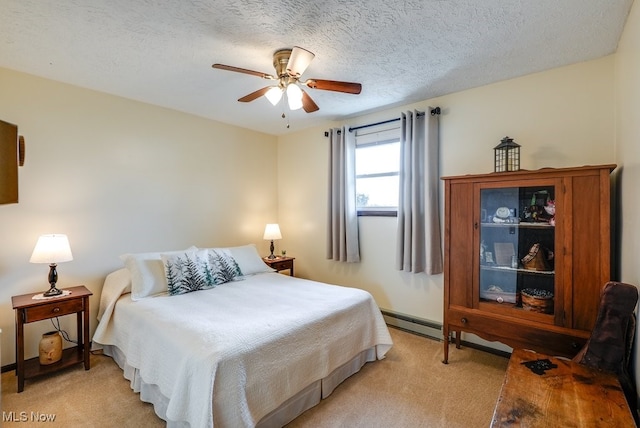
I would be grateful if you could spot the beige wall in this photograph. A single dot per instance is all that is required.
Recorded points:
(628, 150)
(120, 176)
(563, 117)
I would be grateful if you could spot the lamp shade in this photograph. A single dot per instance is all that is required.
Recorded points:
(274, 94)
(52, 249)
(299, 61)
(294, 96)
(272, 231)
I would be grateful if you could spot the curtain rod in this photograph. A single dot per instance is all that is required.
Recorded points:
(434, 112)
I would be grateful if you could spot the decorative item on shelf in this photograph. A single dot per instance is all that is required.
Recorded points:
(271, 233)
(538, 258)
(483, 252)
(52, 249)
(496, 293)
(50, 348)
(284, 253)
(537, 300)
(504, 253)
(542, 208)
(488, 256)
(550, 209)
(502, 215)
(514, 262)
(506, 156)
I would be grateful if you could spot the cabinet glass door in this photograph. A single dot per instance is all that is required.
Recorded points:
(517, 237)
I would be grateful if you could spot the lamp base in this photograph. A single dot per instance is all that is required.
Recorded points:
(53, 278)
(53, 291)
(271, 248)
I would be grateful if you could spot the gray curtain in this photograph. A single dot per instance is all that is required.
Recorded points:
(342, 230)
(418, 247)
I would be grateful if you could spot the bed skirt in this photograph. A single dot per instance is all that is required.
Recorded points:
(285, 413)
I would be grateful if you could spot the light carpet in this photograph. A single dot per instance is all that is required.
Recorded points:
(409, 388)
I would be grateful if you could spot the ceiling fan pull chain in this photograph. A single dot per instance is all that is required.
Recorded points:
(284, 116)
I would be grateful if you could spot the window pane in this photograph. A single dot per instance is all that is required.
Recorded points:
(378, 158)
(377, 191)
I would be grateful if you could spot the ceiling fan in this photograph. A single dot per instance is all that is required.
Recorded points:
(289, 65)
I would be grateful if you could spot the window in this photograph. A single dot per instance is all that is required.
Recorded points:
(377, 172)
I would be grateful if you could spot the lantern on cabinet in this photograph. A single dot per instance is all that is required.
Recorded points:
(506, 156)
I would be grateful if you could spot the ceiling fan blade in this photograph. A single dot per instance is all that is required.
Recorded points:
(299, 61)
(242, 70)
(254, 95)
(308, 104)
(334, 85)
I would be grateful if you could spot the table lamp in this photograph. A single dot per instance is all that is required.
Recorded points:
(271, 232)
(52, 249)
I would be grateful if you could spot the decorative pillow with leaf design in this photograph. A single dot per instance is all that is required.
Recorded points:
(247, 257)
(224, 267)
(187, 272)
(147, 272)
(200, 270)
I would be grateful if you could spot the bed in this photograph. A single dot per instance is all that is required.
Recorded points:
(257, 350)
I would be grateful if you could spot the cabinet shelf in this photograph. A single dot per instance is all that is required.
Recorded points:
(518, 270)
(521, 225)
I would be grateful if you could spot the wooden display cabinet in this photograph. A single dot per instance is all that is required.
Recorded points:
(516, 273)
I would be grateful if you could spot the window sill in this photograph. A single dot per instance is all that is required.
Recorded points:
(381, 213)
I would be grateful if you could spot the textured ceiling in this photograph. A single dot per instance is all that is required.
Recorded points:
(161, 51)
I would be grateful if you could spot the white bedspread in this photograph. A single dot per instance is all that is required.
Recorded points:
(246, 346)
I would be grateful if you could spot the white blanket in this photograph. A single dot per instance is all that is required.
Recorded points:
(246, 346)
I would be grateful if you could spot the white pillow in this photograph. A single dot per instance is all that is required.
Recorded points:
(147, 273)
(249, 260)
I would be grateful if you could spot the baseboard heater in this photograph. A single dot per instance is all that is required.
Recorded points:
(430, 329)
(413, 324)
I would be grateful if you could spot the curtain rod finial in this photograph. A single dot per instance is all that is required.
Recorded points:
(435, 111)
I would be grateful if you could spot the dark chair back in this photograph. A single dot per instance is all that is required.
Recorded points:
(609, 346)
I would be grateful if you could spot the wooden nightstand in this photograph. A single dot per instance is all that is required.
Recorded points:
(280, 263)
(30, 310)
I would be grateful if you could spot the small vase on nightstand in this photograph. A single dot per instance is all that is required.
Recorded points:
(50, 348)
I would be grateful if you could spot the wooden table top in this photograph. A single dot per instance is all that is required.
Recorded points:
(544, 391)
(26, 300)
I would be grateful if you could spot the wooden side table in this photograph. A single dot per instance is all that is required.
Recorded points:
(544, 391)
(31, 310)
(280, 263)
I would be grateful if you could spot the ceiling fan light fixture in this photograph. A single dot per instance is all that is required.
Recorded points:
(274, 94)
(294, 96)
(289, 65)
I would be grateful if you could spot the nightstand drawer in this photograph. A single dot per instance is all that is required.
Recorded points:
(282, 265)
(37, 313)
